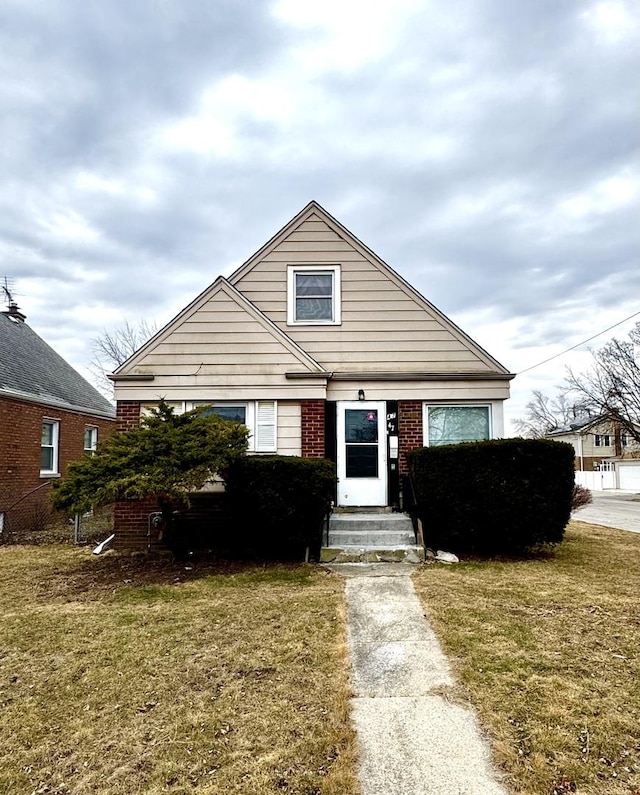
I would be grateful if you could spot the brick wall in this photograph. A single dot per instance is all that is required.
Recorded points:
(409, 429)
(131, 525)
(131, 518)
(20, 439)
(313, 428)
(128, 414)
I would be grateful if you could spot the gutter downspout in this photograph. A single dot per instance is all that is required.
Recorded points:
(580, 452)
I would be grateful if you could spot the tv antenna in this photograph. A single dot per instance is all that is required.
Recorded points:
(7, 285)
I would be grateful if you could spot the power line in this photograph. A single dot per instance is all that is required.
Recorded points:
(579, 344)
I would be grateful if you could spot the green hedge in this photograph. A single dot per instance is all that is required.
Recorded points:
(495, 497)
(277, 504)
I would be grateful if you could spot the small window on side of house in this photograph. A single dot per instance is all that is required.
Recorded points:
(602, 440)
(313, 295)
(90, 440)
(49, 447)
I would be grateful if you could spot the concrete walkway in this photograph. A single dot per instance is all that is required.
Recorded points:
(413, 740)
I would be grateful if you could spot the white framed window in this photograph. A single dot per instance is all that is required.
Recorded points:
(90, 440)
(453, 424)
(625, 440)
(260, 417)
(49, 443)
(602, 440)
(313, 295)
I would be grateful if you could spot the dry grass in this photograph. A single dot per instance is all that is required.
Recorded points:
(548, 651)
(119, 675)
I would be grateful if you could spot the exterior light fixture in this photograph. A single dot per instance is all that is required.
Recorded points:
(361, 394)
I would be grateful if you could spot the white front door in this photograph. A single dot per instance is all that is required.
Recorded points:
(362, 453)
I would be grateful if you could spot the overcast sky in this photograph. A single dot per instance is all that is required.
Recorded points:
(486, 149)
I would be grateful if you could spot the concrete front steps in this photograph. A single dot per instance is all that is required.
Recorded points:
(359, 537)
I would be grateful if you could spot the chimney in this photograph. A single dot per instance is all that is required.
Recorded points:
(14, 313)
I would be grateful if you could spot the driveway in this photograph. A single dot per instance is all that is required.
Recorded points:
(619, 509)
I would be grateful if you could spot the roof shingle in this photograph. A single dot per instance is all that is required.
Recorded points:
(31, 369)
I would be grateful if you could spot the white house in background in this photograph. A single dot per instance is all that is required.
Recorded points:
(606, 456)
(322, 349)
(598, 442)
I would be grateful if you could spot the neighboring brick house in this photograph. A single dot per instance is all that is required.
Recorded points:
(321, 349)
(49, 416)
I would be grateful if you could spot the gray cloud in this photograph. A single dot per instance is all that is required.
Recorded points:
(486, 150)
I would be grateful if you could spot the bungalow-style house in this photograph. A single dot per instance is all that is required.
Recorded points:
(598, 442)
(49, 416)
(321, 349)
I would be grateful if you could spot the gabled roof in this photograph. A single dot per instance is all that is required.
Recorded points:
(31, 370)
(221, 285)
(582, 425)
(313, 208)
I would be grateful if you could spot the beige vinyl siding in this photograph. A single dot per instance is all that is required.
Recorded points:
(433, 391)
(224, 350)
(589, 445)
(289, 429)
(383, 326)
(289, 433)
(203, 387)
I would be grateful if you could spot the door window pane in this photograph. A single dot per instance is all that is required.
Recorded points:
(361, 425)
(455, 424)
(362, 461)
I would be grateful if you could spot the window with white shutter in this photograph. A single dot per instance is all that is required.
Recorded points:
(266, 427)
(260, 417)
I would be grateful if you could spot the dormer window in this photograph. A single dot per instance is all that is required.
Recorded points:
(313, 295)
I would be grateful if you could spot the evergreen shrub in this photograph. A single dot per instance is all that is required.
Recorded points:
(277, 504)
(496, 497)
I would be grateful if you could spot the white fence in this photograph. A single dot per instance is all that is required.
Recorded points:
(596, 481)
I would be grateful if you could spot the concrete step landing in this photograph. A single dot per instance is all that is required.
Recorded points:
(371, 538)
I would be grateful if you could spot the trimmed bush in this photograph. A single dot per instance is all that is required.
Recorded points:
(496, 497)
(581, 497)
(277, 504)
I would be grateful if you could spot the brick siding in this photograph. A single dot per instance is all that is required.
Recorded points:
(128, 414)
(131, 525)
(131, 518)
(313, 428)
(410, 431)
(20, 439)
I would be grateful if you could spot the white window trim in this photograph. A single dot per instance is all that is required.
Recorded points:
(55, 445)
(457, 404)
(599, 440)
(94, 439)
(251, 413)
(292, 270)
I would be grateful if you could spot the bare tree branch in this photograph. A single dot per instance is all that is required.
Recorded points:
(114, 346)
(547, 414)
(612, 384)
